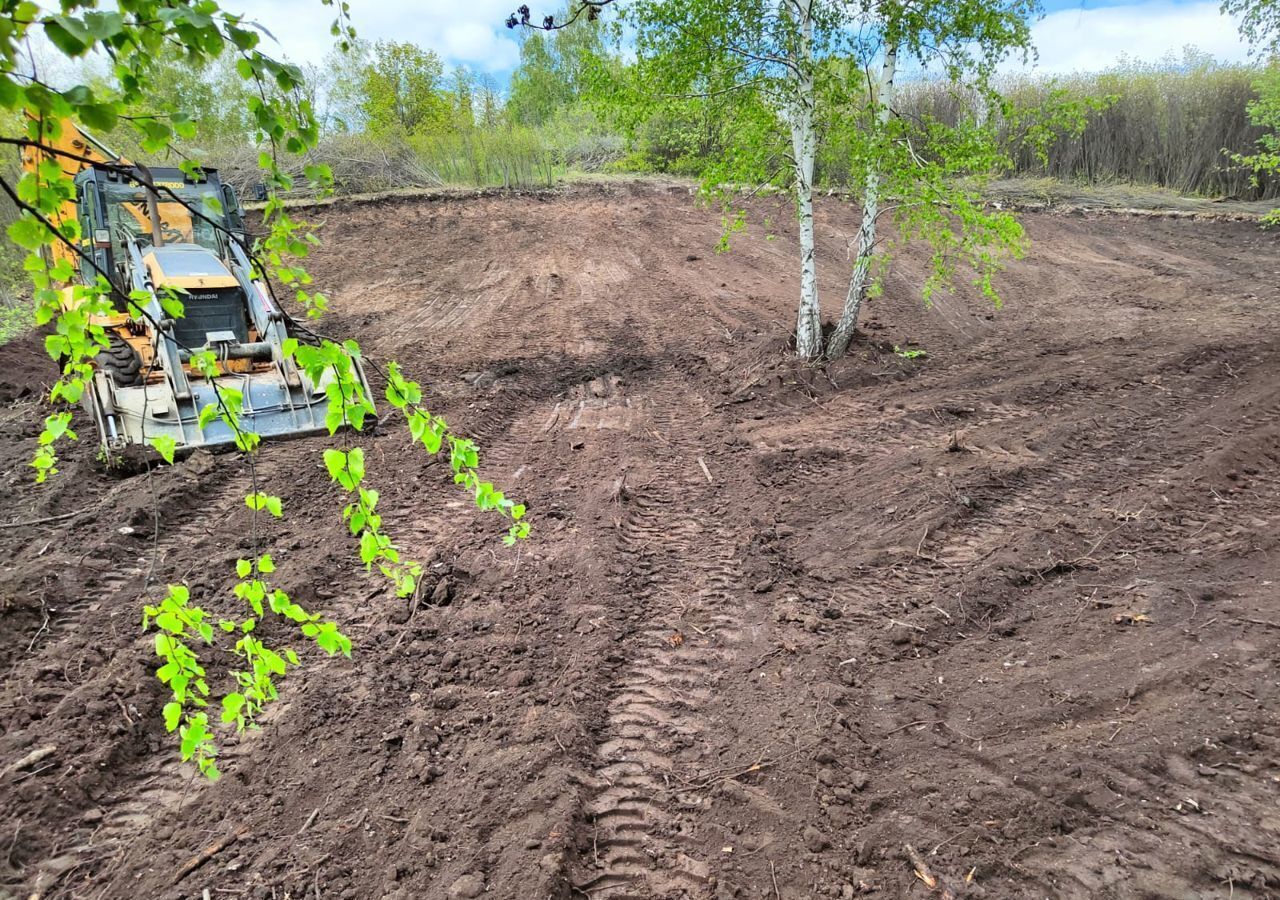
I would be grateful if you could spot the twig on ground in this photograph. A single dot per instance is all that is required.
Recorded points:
(44, 626)
(34, 772)
(413, 609)
(705, 470)
(912, 725)
(1122, 406)
(35, 756)
(46, 520)
(124, 710)
(739, 772)
(619, 492)
(1087, 556)
(209, 853)
(923, 538)
(918, 628)
(13, 843)
(310, 820)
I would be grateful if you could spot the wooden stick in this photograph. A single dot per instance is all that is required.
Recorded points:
(918, 628)
(45, 520)
(930, 880)
(209, 853)
(912, 725)
(35, 756)
(705, 470)
(310, 820)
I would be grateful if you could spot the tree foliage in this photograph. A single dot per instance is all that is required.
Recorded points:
(556, 70)
(400, 89)
(1260, 25)
(1265, 113)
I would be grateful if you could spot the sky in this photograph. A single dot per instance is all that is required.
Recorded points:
(1074, 35)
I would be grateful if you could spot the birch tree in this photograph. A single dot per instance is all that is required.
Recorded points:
(931, 173)
(799, 109)
(791, 74)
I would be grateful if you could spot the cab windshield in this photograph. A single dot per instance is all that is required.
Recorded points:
(128, 216)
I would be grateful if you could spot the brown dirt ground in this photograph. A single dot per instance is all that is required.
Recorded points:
(1013, 603)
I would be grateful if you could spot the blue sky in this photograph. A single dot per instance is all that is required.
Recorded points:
(1074, 35)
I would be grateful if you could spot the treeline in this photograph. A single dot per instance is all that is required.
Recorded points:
(394, 116)
(1176, 124)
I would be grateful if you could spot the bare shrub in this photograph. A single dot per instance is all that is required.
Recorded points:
(1172, 125)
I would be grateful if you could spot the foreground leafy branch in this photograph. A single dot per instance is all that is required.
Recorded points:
(133, 35)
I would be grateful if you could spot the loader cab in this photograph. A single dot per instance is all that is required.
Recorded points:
(113, 210)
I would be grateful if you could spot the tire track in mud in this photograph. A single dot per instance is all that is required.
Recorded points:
(668, 554)
(1043, 486)
(679, 576)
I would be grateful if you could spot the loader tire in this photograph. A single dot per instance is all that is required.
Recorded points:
(121, 362)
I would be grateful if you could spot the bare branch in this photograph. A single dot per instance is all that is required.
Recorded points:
(521, 17)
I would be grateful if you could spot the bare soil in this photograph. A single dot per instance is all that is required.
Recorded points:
(1012, 603)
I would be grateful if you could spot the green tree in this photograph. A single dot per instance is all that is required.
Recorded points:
(1265, 112)
(490, 102)
(555, 71)
(339, 80)
(208, 91)
(462, 95)
(401, 88)
(790, 68)
(1260, 25)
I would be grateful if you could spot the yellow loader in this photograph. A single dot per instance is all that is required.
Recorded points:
(145, 240)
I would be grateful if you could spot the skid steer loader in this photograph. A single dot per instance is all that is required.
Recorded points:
(146, 240)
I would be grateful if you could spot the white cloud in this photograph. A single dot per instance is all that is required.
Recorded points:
(470, 32)
(1071, 40)
(473, 43)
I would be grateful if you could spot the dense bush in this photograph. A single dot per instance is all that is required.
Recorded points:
(1174, 126)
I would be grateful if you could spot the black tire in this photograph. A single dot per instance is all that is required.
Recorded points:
(121, 362)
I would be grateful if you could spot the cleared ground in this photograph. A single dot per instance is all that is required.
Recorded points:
(1013, 603)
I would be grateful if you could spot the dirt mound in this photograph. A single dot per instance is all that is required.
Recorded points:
(1010, 602)
(25, 368)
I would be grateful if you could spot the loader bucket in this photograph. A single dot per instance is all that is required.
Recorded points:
(130, 418)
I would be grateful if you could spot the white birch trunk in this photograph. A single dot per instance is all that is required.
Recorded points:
(843, 333)
(800, 114)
